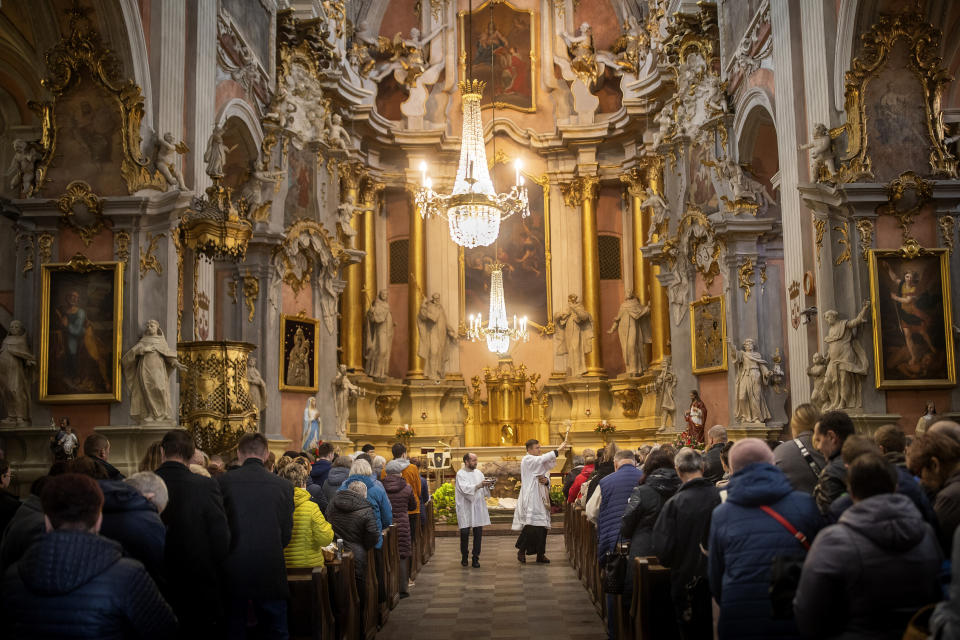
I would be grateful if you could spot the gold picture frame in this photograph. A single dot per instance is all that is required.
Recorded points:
(547, 327)
(912, 321)
(708, 335)
(482, 22)
(303, 377)
(81, 320)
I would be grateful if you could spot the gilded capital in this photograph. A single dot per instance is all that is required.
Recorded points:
(579, 190)
(351, 175)
(369, 189)
(634, 182)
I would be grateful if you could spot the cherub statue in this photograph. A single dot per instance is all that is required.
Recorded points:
(817, 372)
(23, 168)
(821, 150)
(714, 99)
(252, 191)
(167, 150)
(664, 118)
(337, 136)
(659, 215)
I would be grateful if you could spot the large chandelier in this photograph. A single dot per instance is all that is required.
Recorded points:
(474, 210)
(497, 332)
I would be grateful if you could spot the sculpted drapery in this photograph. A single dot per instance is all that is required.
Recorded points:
(379, 338)
(576, 326)
(146, 370)
(435, 337)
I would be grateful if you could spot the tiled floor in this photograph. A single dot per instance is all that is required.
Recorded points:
(501, 599)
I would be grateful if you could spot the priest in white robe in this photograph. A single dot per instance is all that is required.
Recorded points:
(471, 491)
(532, 516)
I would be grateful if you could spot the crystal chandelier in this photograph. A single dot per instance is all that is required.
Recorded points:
(474, 210)
(497, 332)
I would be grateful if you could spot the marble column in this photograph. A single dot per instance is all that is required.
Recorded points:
(582, 192)
(351, 308)
(201, 92)
(659, 303)
(417, 280)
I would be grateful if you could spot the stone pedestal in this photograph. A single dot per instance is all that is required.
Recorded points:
(764, 431)
(279, 445)
(433, 409)
(634, 406)
(28, 450)
(375, 414)
(868, 423)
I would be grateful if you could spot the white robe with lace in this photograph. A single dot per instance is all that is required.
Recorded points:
(530, 507)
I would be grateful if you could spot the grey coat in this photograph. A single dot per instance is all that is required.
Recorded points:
(795, 467)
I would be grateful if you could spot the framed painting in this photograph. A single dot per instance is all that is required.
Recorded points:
(80, 323)
(523, 248)
(498, 45)
(912, 329)
(708, 335)
(299, 353)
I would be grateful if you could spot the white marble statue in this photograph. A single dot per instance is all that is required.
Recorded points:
(576, 327)
(752, 374)
(379, 338)
(846, 360)
(252, 190)
(818, 376)
(216, 154)
(664, 120)
(665, 386)
(167, 150)
(436, 337)
(407, 61)
(16, 364)
(23, 168)
(337, 136)
(310, 435)
(258, 388)
(146, 371)
(583, 56)
(660, 213)
(630, 325)
(821, 150)
(345, 211)
(343, 388)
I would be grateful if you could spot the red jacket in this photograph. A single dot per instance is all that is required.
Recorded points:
(579, 480)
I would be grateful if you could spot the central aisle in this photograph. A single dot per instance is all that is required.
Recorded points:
(501, 599)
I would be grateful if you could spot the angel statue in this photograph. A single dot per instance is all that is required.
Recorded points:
(359, 55)
(167, 150)
(23, 168)
(659, 215)
(821, 150)
(631, 46)
(337, 136)
(583, 57)
(407, 60)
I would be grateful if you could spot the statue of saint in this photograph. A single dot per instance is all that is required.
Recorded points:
(216, 153)
(630, 325)
(846, 360)
(660, 212)
(311, 425)
(435, 337)
(258, 388)
(696, 417)
(665, 384)
(752, 374)
(298, 362)
(576, 326)
(379, 338)
(817, 372)
(146, 370)
(16, 361)
(343, 388)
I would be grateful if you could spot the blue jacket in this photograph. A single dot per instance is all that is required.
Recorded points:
(744, 541)
(133, 521)
(319, 471)
(906, 485)
(378, 499)
(615, 490)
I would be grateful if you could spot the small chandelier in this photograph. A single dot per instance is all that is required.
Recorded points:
(474, 210)
(497, 332)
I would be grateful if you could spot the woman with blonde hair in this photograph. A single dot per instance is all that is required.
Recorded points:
(311, 532)
(152, 459)
(798, 458)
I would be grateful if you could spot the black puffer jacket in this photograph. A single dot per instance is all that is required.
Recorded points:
(24, 529)
(133, 521)
(74, 584)
(352, 518)
(332, 484)
(643, 507)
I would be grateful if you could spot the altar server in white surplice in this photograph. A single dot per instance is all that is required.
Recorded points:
(471, 492)
(532, 517)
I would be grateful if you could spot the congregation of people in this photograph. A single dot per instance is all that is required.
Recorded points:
(193, 546)
(828, 534)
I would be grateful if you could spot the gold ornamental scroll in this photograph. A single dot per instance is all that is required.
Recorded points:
(351, 307)
(642, 277)
(659, 305)
(416, 282)
(582, 192)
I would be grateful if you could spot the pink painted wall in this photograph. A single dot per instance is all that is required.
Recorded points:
(910, 404)
(397, 208)
(610, 222)
(602, 19)
(713, 392)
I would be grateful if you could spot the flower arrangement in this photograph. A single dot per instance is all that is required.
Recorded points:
(605, 428)
(316, 450)
(444, 503)
(405, 431)
(557, 499)
(686, 440)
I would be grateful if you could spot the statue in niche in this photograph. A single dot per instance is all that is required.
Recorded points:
(821, 150)
(311, 425)
(436, 337)
(167, 150)
(583, 57)
(298, 362)
(216, 154)
(343, 388)
(632, 325)
(752, 374)
(16, 364)
(379, 338)
(846, 360)
(659, 214)
(818, 375)
(258, 388)
(337, 136)
(146, 370)
(345, 212)
(665, 385)
(576, 326)
(23, 168)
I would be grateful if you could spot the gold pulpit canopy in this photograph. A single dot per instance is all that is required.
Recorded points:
(508, 416)
(215, 227)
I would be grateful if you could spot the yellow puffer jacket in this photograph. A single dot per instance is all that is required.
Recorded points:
(311, 532)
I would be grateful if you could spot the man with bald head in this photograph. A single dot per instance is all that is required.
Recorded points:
(948, 427)
(763, 518)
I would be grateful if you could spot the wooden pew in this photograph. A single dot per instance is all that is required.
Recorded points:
(371, 605)
(344, 597)
(416, 558)
(432, 538)
(310, 614)
(651, 609)
(391, 571)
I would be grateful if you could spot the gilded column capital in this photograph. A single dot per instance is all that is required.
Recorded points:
(580, 189)
(351, 175)
(369, 190)
(634, 182)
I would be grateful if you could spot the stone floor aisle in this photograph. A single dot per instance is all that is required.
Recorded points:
(501, 599)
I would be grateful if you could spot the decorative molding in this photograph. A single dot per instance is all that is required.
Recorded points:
(25, 242)
(148, 260)
(78, 193)
(121, 245)
(251, 290)
(820, 227)
(865, 229)
(745, 277)
(843, 241)
(580, 189)
(44, 247)
(947, 226)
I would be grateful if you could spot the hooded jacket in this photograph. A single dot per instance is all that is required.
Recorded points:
(411, 474)
(319, 471)
(868, 574)
(331, 485)
(75, 584)
(832, 483)
(643, 507)
(133, 521)
(401, 501)
(681, 529)
(353, 520)
(378, 499)
(584, 476)
(744, 540)
(311, 532)
(615, 490)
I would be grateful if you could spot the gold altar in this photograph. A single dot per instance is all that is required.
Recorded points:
(508, 416)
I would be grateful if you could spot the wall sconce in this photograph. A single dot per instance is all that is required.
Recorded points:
(423, 415)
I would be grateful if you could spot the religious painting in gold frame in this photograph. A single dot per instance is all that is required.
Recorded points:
(81, 317)
(912, 328)
(504, 54)
(523, 248)
(299, 353)
(708, 335)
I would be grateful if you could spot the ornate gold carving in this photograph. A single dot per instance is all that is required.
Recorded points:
(351, 174)
(579, 189)
(148, 261)
(634, 182)
(385, 406)
(507, 403)
(865, 229)
(924, 45)
(693, 33)
(178, 246)
(297, 271)
(213, 226)
(820, 227)
(78, 193)
(843, 241)
(121, 245)
(25, 240)
(251, 289)
(80, 49)
(904, 206)
(44, 247)
(630, 401)
(745, 277)
(232, 290)
(696, 240)
(947, 225)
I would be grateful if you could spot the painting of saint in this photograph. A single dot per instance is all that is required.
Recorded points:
(912, 309)
(521, 248)
(301, 199)
(80, 334)
(701, 191)
(708, 335)
(502, 54)
(298, 344)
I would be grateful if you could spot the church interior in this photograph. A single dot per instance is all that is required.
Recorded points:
(465, 224)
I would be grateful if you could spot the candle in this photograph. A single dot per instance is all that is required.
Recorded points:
(423, 173)
(517, 166)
